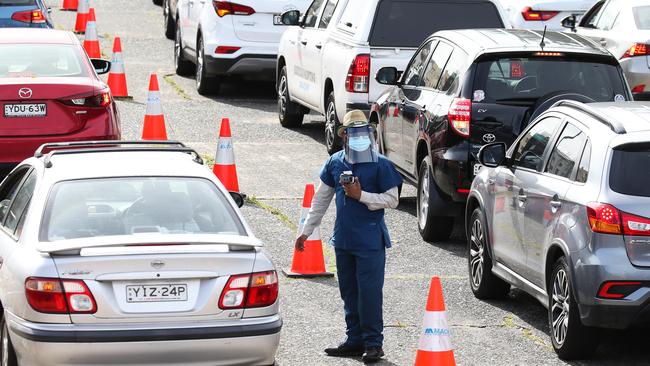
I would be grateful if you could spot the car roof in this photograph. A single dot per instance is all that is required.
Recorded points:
(36, 35)
(632, 116)
(481, 41)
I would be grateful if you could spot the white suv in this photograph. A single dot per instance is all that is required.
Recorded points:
(537, 14)
(328, 58)
(217, 38)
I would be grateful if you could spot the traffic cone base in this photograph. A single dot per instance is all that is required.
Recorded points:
(435, 358)
(154, 128)
(224, 161)
(229, 174)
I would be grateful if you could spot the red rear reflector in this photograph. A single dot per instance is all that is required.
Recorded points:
(460, 115)
(535, 15)
(637, 49)
(638, 89)
(52, 295)
(604, 218)
(226, 50)
(29, 16)
(224, 8)
(358, 77)
(618, 289)
(463, 191)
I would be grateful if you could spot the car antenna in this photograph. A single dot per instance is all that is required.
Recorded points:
(542, 44)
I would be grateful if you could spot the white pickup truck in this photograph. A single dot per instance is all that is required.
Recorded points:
(328, 58)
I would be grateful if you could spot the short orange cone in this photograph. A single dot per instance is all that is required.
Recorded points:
(309, 262)
(435, 341)
(117, 76)
(224, 161)
(82, 16)
(154, 121)
(91, 42)
(70, 5)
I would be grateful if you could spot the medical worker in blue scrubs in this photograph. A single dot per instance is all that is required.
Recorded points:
(364, 184)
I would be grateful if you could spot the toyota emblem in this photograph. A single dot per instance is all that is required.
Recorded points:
(157, 264)
(25, 93)
(488, 138)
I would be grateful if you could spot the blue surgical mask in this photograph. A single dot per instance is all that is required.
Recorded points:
(359, 143)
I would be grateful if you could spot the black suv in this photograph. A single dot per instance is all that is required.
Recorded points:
(463, 89)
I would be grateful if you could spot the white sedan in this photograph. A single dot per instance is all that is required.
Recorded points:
(536, 14)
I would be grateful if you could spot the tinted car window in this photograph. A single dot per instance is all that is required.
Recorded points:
(19, 204)
(530, 78)
(629, 173)
(40, 60)
(451, 75)
(327, 13)
(642, 17)
(530, 151)
(583, 168)
(312, 14)
(567, 152)
(436, 65)
(608, 15)
(406, 23)
(413, 76)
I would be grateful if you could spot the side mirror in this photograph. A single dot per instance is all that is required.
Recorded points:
(101, 66)
(492, 155)
(570, 22)
(387, 76)
(291, 17)
(238, 198)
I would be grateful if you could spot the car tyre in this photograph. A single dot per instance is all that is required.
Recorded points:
(571, 339)
(7, 352)
(485, 285)
(157, 2)
(182, 66)
(205, 84)
(431, 227)
(290, 113)
(333, 142)
(168, 21)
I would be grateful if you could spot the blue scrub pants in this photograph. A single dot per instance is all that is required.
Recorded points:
(361, 281)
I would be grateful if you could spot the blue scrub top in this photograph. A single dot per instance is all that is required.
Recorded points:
(356, 227)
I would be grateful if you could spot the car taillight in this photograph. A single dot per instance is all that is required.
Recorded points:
(637, 49)
(226, 50)
(635, 225)
(607, 219)
(535, 15)
(638, 88)
(250, 291)
(618, 289)
(224, 8)
(460, 115)
(29, 16)
(103, 99)
(60, 296)
(358, 75)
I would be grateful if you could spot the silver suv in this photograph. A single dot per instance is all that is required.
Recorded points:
(564, 215)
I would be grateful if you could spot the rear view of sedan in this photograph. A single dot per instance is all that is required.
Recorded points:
(25, 14)
(50, 91)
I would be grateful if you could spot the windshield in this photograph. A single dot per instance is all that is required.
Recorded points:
(529, 78)
(629, 173)
(642, 17)
(125, 206)
(34, 60)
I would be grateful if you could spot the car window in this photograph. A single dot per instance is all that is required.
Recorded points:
(530, 150)
(20, 202)
(567, 152)
(8, 191)
(629, 173)
(642, 17)
(608, 15)
(413, 75)
(436, 65)
(589, 20)
(450, 78)
(127, 206)
(355, 14)
(40, 60)
(327, 13)
(583, 168)
(312, 14)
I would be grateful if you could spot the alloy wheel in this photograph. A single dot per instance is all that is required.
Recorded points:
(330, 125)
(424, 200)
(282, 95)
(477, 246)
(560, 308)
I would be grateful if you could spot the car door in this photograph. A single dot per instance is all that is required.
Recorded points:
(196, 8)
(511, 193)
(313, 52)
(546, 197)
(303, 72)
(598, 23)
(184, 14)
(15, 194)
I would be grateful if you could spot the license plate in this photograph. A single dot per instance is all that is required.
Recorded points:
(277, 19)
(156, 293)
(477, 168)
(25, 110)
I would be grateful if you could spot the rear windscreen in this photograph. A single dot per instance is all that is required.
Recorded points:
(642, 17)
(40, 60)
(17, 2)
(406, 23)
(629, 173)
(530, 78)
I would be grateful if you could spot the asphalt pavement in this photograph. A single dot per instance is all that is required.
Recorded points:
(274, 164)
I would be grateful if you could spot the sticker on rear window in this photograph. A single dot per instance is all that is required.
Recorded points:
(619, 98)
(479, 95)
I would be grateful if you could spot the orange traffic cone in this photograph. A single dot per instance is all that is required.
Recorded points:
(224, 161)
(435, 341)
(70, 5)
(91, 42)
(117, 76)
(83, 8)
(154, 120)
(309, 262)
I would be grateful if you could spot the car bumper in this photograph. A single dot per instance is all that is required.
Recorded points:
(246, 342)
(637, 73)
(245, 64)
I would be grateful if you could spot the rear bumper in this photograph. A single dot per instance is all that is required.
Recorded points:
(259, 64)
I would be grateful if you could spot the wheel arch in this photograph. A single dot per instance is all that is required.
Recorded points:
(328, 87)
(281, 63)
(554, 252)
(475, 201)
(421, 152)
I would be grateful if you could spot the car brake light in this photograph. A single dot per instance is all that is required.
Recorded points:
(604, 218)
(250, 291)
(29, 16)
(638, 89)
(102, 99)
(635, 225)
(534, 15)
(358, 75)
(460, 115)
(52, 295)
(637, 49)
(618, 289)
(224, 8)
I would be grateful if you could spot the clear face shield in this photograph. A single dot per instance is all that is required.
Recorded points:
(361, 146)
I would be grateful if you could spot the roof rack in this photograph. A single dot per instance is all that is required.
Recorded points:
(88, 147)
(585, 108)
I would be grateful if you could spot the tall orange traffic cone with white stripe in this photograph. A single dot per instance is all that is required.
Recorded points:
(435, 340)
(83, 8)
(224, 161)
(154, 120)
(70, 5)
(91, 41)
(117, 76)
(310, 261)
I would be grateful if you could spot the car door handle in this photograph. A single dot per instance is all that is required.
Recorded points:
(319, 46)
(603, 42)
(555, 204)
(304, 43)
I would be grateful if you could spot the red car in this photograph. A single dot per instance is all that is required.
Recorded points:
(49, 92)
